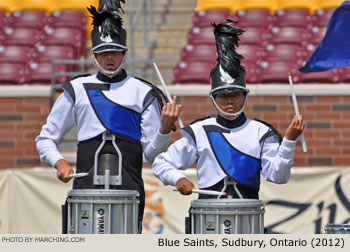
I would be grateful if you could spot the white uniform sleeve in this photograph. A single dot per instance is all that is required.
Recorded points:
(152, 141)
(277, 160)
(180, 155)
(59, 122)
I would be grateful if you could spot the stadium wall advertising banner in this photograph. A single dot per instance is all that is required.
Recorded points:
(30, 202)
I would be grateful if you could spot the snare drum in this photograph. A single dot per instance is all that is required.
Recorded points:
(337, 228)
(93, 211)
(227, 216)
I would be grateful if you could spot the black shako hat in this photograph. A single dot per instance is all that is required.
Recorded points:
(108, 33)
(228, 74)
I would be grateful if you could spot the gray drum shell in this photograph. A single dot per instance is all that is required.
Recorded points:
(333, 228)
(94, 211)
(227, 216)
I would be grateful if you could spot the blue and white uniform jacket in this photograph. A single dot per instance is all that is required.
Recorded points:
(123, 105)
(241, 149)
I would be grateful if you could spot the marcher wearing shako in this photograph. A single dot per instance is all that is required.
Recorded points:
(109, 101)
(229, 145)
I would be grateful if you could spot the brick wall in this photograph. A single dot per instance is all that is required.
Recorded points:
(327, 133)
(20, 122)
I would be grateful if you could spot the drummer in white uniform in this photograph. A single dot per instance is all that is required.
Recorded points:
(110, 101)
(229, 145)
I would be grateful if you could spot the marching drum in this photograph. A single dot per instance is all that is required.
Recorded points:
(227, 216)
(102, 211)
(337, 228)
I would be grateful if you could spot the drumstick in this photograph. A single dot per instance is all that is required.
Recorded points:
(165, 88)
(295, 103)
(208, 192)
(78, 175)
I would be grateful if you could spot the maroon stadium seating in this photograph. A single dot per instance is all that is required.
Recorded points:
(289, 34)
(47, 53)
(251, 53)
(15, 54)
(30, 19)
(3, 18)
(285, 52)
(192, 72)
(252, 72)
(277, 72)
(344, 74)
(317, 33)
(253, 18)
(199, 52)
(255, 35)
(322, 17)
(12, 73)
(41, 72)
(200, 35)
(68, 18)
(293, 17)
(206, 18)
(65, 36)
(21, 36)
(330, 76)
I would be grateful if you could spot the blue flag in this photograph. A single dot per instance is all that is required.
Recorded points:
(334, 50)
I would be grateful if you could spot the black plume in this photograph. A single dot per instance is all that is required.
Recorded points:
(226, 37)
(110, 5)
(107, 17)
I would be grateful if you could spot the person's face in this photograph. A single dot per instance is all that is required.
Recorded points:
(230, 102)
(110, 61)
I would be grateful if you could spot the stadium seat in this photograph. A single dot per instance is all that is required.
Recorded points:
(317, 34)
(21, 36)
(289, 34)
(31, 19)
(192, 72)
(41, 5)
(285, 52)
(252, 18)
(15, 54)
(255, 35)
(65, 36)
(12, 73)
(204, 5)
(68, 18)
(252, 72)
(322, 17)
(47, 53)
(71, 19)
(277, 72)
(200, 52)
(344, 74)
(206, 18)
(270, 5)
(41, 73)
(328, 4)
(3, 18)
(330, 76)
(298, 18)
(78, 5)
(8, 5)
(251, 53)
(200, 35)
(310, 5)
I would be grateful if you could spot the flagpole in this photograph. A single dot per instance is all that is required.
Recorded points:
(296, 109)
(165, 88)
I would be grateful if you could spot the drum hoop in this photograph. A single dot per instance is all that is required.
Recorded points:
(102, 192)
(103, 201)
(224, 203)
(228, 212)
